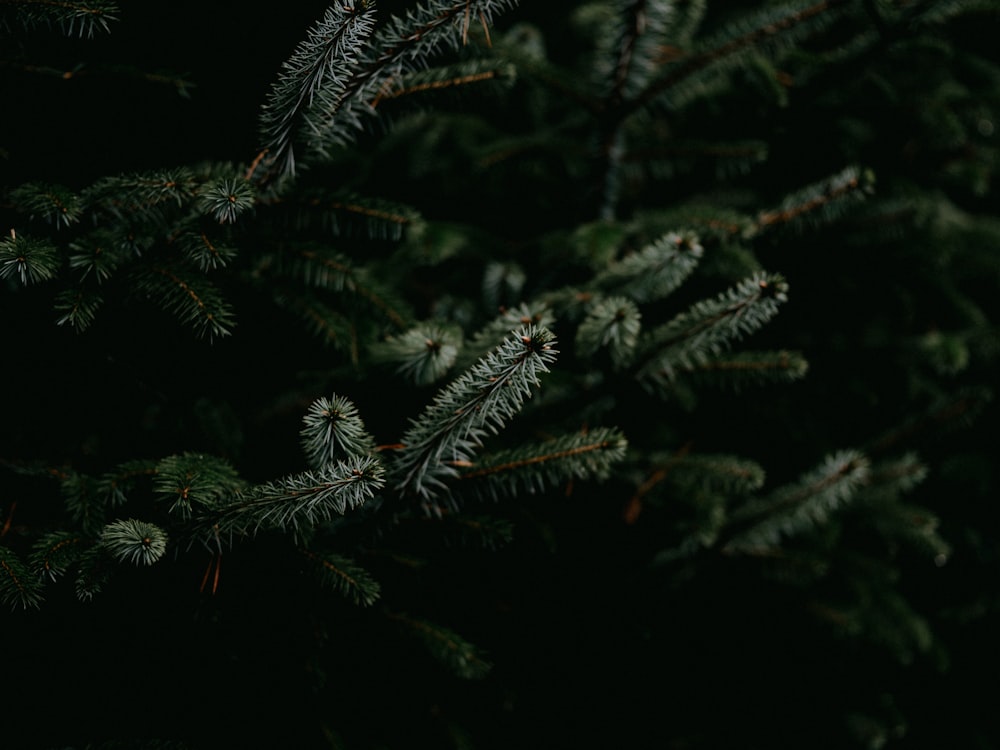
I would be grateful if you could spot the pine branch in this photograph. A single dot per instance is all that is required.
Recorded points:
(761, 524)
(423, 354)
(447, 646)
(205, 252)
(94, 570)
(192, 298)
(486, 338)
(142, 197)
(314, 78)
(344, 576)
(536, 467)
(194, 481)
(19, 586)
(402, 46)
(134, 541)
(73, 18)
(503, 282)
(733, 475)
(225, 199)
(320, 267)
(29, 260)
(344, 212)
(333, 431)
(78, 307)
(653, 272)
(738, 369)
(85, 503)
(900, 522)
(479, 402)
(612, 323)
(53, 204)
(296, 503)
(821, 202)
(97, 255)
(56, 552)
(777, 25)
(638, 45)
(331, 326)
(667, 159)
(455, 77)
(709, 326)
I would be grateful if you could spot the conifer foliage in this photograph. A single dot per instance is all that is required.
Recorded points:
(566, 374)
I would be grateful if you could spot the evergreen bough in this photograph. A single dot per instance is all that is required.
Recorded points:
(654, 197)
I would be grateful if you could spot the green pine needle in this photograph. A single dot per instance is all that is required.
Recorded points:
(463, 658)
(332, 430)
(297, 503)
(423, 354)
(28, 260)
(137, 542)
(481, 401)
(19, 585)
(344, 576)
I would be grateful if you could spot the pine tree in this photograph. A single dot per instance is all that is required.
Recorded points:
(609, 373)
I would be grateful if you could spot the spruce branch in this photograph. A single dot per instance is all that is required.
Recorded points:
(97, 255)
(455, 77)
(332, 430)
(54, 204)
(84, 501)
(790, 510)
(479, 402)
(534, 313)
(463, 658)
(735, 370)
(709, 326)
(206, 252)
(422, 354)
(643, 26)
(72, 17)
(78, 307)
(502, 282)
(331, 326)
(226, 199)
(134, 541)
(191, 481)
(820, 202)
(535, 467)
(901, 522)
(776, 25)
(298, 502)
(653, 272)
(189, 296)
(344, 576)
(718, 472)
(326, 269)
(19, 585)
(314, 78)
(345, 212)
(402, 46)
(142, 196)
(27, 259)
(612, 323)
(659, 158)
(56, 552)
(94, 569)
